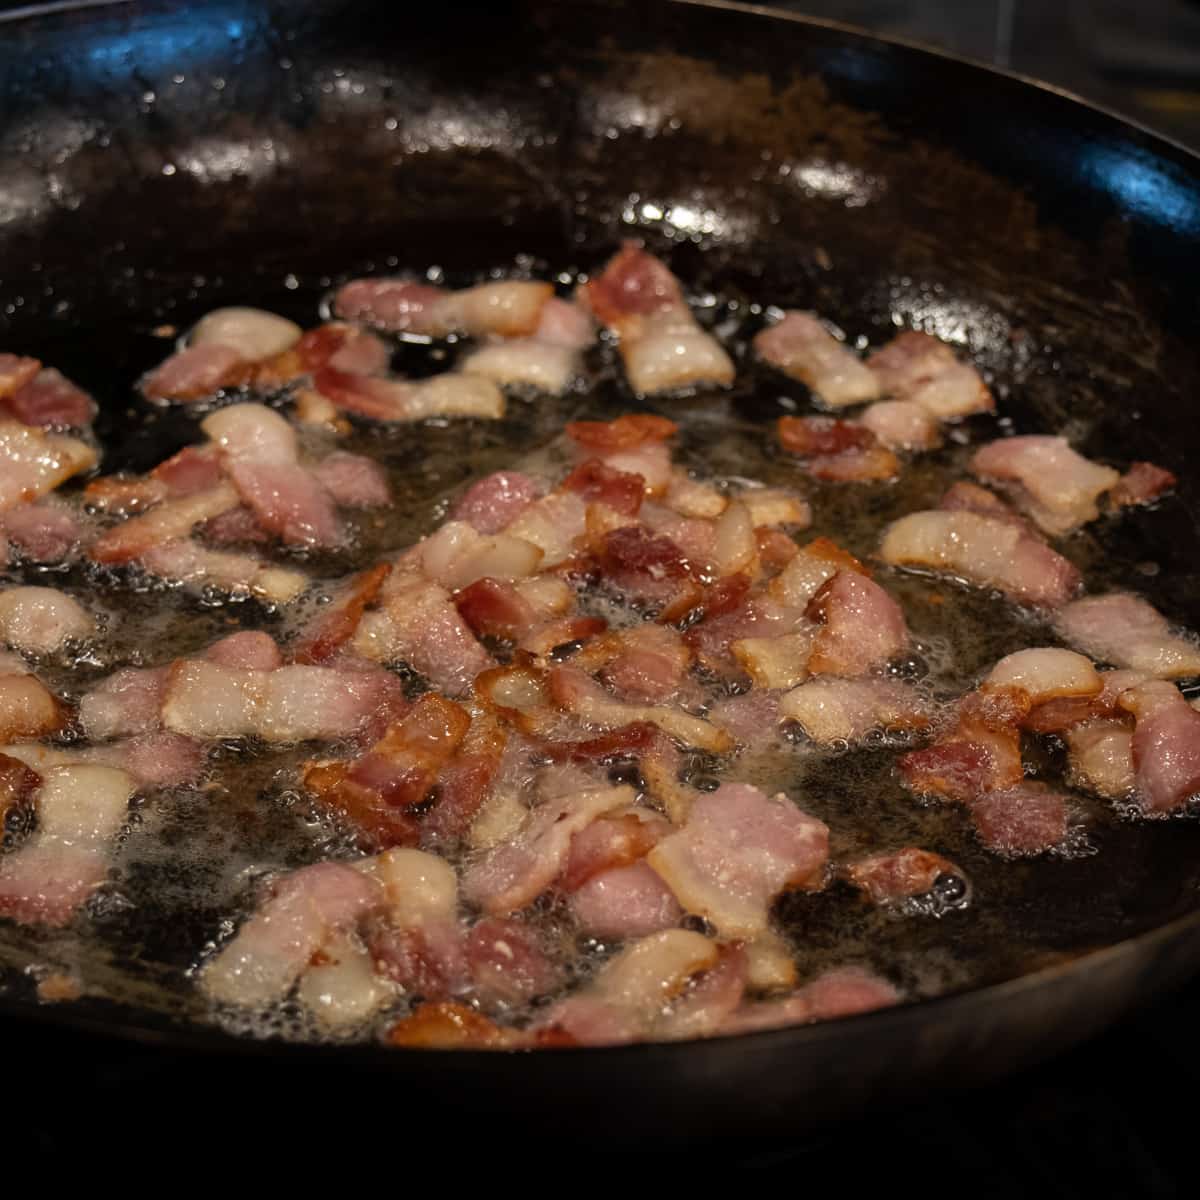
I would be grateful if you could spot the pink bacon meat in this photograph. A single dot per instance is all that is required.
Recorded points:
(737, 851)
(804, 349)
(662, 346)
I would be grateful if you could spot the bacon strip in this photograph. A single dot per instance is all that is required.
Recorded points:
(448, 395)
(841, 992)
(837, 450)
(662, 346)
(1049, 480)
(269, 952)
(506, 308)
(1166, 746)
(548, 360)
(846, 710)
(398, 772)
(917, 367)
(33, 463)
(802, 348)
(986, 551)
(184, 561)
(41, 620)
(1126, 631)
(80, 809)
(516, 872)
(51, 401)
(737, 852)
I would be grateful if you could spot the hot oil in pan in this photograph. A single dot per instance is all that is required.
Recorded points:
(192, 859)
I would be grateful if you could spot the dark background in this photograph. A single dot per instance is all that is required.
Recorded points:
(1113, 1118)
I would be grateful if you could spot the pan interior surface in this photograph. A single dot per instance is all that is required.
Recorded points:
(163, 160)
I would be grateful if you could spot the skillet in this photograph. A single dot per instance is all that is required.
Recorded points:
(161, 159)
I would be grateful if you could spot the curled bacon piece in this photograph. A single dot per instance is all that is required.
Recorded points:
(837, 450)
(377, 789)
(662, 346)
(800, 346)
(917, 367)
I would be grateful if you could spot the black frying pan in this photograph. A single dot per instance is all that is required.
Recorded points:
(309, 140)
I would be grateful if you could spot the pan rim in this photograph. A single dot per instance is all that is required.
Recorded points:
(180, 1035)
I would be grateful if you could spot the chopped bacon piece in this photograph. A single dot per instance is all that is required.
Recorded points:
(1054, 484)
(467, 781)
(41, 620)
(775, 662)
(187, 562)
(455, 556)
(508, 962)
(249, 650)
(507, 308)
(800, 346)
(547, 360)
(812, 566)
(625, 902)
(448, 395)
(775, 548)
(612, 841)
(495, 609)
(291, 704)
(79, 809)
(492, 503)
(445, 1025)
(837, 450)
(33, 463)
(193, 469)
(129, 701)
(193, 373)
(165, 522)
(760, 617)
(253, 333)
(1123, 630)
(980, 753)
(578, 693)
(917, 367)
(289, 501)
(846, 710)
(902, 425)
(43, 532)
(1060, 714)
(50, 400)
(153, 759)
(1143, 483)
(626, 741)
(341, 989)
(1100, 754)
(691, 498)
(841, 992)
(396, 773)
(417, 623)
(820, 437)
(514, 873)
(737, 852)
(897, 875)
(626, 1000)
(343, 347)
(1166, 745)
(124, 494)
(861, 626)
(1046, 673)
(645, 662)
(279, 941)
(1026, 819)
(986, 551)
(647, 566)
(332, 629)
(662, 346)
(599, 483)
(553, 524)
(626, 432)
